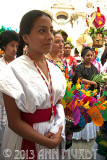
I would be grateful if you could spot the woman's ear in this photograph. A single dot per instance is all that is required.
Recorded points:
(25, 38)
(4, 47)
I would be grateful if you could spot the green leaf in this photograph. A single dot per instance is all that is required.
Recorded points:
(105, 115)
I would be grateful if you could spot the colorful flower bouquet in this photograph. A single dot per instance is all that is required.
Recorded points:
(81, 107)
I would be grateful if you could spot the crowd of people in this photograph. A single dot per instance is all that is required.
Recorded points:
(34, 71)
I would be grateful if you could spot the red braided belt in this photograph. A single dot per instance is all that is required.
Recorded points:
(40, 115)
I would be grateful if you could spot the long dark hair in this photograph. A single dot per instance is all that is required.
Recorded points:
(26, 25)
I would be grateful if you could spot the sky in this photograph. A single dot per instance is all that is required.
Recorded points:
(11, 11)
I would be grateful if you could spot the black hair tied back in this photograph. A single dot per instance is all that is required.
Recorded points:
(85, 50)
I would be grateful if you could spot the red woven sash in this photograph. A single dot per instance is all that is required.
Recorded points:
(40, 115)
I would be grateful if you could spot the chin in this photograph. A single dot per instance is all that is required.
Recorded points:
(47, 51)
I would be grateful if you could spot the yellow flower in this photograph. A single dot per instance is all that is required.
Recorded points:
(83, 91)
(86, 106)
(88, 93)
(100, 22)
(95, 91)
(96, 49)
(98, 14)
(68, 84)
(78, 86)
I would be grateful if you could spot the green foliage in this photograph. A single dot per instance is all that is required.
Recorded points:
(70, 44)
(99, 78)
(93, 31)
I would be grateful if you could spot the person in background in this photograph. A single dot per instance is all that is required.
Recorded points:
(77, 56)
(95, 62)
(55, 56)
(8, 44)
(31, 89)
(85, 71)
(71, 61)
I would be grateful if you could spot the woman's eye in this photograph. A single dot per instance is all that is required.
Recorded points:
(42, 30)
(57, 41)
(51, 31)
(11, 45)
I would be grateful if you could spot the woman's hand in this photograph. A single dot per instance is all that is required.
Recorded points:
(55, 139)
(95, 85)
(49, 135)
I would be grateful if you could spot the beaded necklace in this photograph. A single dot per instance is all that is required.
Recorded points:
(49, 90)
(55, 61)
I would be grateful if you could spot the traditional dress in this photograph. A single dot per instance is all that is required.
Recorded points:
(90, 130)
(2, 63)
(84, 73)
(97, 65)
(62, 64)
(104, 68)
(3, 116)
(22, 81)
(71, 61)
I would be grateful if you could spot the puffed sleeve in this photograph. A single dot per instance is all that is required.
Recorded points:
(10, 86)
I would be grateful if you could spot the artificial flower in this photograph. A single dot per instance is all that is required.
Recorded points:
(86, 105)
(98, 14)
(83, 106)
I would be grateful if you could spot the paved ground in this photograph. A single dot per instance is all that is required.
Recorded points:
(81, 150)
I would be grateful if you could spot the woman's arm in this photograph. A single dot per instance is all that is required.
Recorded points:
(85, 81)
(17, 125)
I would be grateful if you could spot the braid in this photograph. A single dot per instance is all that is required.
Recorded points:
(20, 47)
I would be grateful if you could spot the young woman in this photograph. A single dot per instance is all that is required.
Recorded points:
(71, 61)
(55, 56)
(95, 62)
(9, 44)
(35, 114)
(85, 71)
(77, 56)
